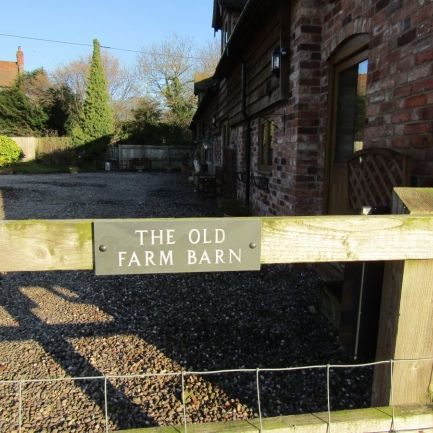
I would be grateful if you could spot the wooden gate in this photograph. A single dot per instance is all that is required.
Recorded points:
(404, 239)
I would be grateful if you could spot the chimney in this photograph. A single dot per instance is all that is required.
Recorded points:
(20, 60)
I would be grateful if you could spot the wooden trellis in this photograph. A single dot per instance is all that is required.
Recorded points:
(372, 175)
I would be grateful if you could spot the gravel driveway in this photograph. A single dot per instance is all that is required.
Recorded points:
(74, 324)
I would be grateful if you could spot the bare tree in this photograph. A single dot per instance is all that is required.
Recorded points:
(207, 57)
(165, 60)
(167, 70)
(122, 82)
(72, 78)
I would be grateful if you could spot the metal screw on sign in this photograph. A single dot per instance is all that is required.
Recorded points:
(102, 248)
(253, 245)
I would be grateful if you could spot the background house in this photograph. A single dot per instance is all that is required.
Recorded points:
(9, 71)
(302, 85)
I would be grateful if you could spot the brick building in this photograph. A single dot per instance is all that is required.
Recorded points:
(9, 71)
(301, 85)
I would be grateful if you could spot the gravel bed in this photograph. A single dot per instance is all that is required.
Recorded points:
(74, 324)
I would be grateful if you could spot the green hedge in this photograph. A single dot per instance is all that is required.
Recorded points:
(10, 152)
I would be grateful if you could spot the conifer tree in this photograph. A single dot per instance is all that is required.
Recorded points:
(96, 121)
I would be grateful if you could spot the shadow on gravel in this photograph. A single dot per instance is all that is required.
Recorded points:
(53, 339)
(194, 322)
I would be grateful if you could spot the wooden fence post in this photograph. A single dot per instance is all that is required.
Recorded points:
(406, 318)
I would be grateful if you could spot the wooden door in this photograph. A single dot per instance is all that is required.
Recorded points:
(347, 128)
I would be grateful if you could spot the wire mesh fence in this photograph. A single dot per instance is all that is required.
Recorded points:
(101, 386)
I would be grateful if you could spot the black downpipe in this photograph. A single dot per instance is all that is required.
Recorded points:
(247, 133)
(248, 163)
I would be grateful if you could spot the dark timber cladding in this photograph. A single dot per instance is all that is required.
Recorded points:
(263, 87)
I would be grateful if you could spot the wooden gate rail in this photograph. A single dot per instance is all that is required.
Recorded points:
(46, 245)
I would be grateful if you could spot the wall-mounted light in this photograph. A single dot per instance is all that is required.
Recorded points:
(276, 61)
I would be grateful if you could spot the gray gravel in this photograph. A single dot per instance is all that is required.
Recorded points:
(74, 324)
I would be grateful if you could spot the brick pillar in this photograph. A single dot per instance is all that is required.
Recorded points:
(20, 60)
(305, 115)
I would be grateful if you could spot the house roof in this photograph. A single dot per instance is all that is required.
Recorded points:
(202, 85)
(229, 4)
(250, 18)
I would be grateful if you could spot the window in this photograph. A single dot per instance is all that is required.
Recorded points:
(225, 134)
(207, 150)
(266, 144)
(351, 90)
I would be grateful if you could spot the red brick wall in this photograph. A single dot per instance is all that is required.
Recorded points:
(399, 94)
(305, 123)
(401, 106)
(8, 73)
(296, 184)
(400, 73)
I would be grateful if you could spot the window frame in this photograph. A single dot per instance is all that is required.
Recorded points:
(265, 154)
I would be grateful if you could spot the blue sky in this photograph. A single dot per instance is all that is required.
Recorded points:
(129, 24)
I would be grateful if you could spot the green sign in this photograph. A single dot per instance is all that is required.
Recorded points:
(174, 246)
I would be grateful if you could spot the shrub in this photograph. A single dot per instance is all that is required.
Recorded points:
(19, 116)
(9, 151)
